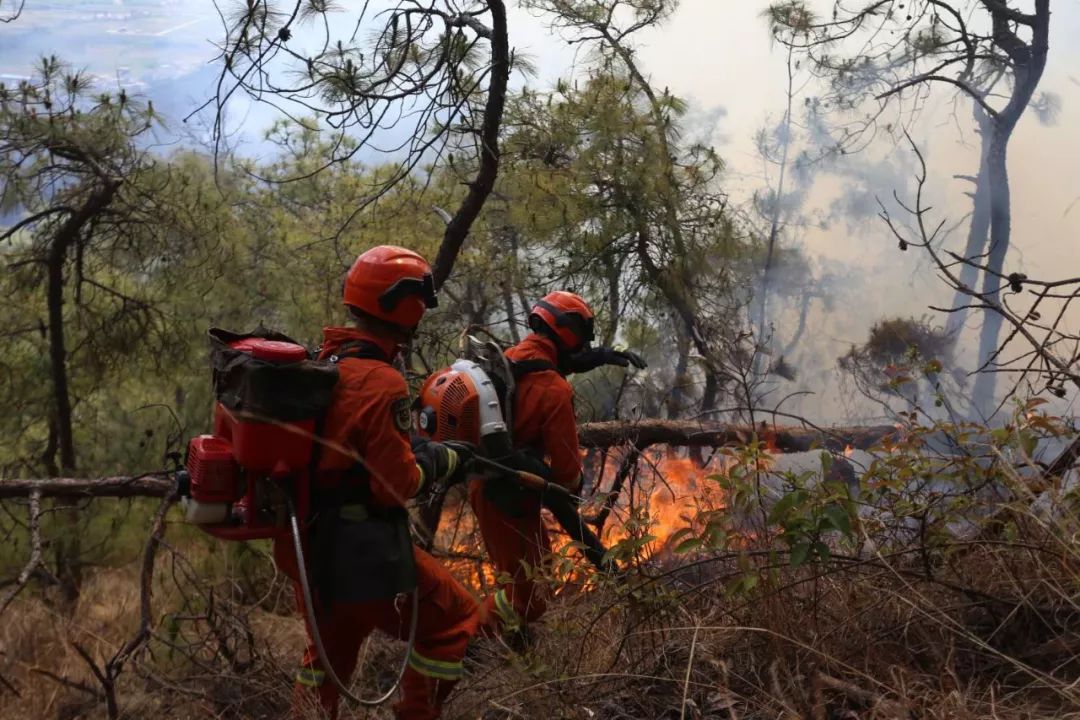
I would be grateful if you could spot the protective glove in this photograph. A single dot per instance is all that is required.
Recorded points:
(437, 462)
(593, 357)
(465, 453)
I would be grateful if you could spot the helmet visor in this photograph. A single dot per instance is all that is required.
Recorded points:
(423, 287)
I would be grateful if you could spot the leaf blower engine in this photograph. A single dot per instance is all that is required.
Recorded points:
(470, 401)
(258, 461)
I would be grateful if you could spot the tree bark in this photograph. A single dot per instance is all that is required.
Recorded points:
(155, 485)
(690, 433)
(1029, 62)
(676, 401)
(1000, 229)
(67, 548)
(979, 229)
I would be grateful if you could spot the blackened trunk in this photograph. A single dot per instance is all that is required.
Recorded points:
(676, 400)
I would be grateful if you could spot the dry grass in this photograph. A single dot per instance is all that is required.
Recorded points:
(984, 624)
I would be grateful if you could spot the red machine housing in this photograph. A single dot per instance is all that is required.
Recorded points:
(462, 403)
(243, 475)
(449, 407)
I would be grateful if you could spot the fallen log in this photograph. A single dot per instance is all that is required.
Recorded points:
(689, 433)
(640, 433)
(153, 485)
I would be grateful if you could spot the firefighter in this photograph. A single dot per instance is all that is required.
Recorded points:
(360, 556)
(544, 426)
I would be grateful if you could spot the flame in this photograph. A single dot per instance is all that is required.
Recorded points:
(669, 491)
(848, 450)
(668, 494)
(768, 436)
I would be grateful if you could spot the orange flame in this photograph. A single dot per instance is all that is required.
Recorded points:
(668, 492)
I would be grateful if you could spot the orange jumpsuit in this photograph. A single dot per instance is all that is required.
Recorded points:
(365, 422)
(543, 422)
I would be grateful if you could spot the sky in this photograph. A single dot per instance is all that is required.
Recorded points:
(718, 55)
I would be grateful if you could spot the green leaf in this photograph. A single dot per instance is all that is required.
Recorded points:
(785, 505)
(680, 534)
(799, 553)
(687, 545)
(822, 551)
(839, 518)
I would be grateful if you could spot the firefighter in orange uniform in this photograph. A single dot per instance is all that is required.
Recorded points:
(543, 425)
(361, 559)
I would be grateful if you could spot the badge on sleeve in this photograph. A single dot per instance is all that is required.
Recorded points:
(399, 409)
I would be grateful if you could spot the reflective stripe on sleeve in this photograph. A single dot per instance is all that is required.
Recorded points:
(506, 610)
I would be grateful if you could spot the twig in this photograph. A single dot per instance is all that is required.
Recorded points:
(72, 684)
(689, 668)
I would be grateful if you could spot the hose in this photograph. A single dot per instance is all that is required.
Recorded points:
(527, 479)
(316, 637)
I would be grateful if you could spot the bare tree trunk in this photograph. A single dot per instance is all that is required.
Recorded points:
(58, 371)
(67, 546)
(613, 271)
(1029, 62)
(979, 229)
(508, 308)
(1000, 229)
(774, 223)
(676, 402)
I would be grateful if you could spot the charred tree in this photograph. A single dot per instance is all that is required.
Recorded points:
(970, 46)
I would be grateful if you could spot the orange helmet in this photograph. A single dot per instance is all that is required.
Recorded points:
(567, 316)
(392, 284)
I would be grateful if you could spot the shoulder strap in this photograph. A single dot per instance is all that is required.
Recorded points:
(521, 368)
(362, 350)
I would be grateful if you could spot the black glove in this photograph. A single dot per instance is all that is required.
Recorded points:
(593, 357)
(437, 461)
(465, 453)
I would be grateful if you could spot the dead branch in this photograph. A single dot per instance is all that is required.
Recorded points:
(638, 433)
(35, 551)
(151, 485)
(146, 581)
(66, 682)
(457, 228)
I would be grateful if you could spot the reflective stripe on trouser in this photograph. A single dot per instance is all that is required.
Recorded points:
(438, 669)
(310, 677)
(517, 547)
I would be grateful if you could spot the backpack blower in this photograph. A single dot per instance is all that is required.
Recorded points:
(252, 478)
(471, 402)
